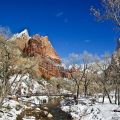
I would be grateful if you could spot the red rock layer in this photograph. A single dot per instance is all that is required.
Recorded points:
(50, 62)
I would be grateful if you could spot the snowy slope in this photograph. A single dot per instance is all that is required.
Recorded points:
(96, 111)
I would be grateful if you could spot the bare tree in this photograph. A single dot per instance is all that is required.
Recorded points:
(81, 76)
(110, 10)
(114, 69)
(11, 64)
(104, 74)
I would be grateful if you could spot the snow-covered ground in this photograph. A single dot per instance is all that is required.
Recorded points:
(26, 85)
(12, 108)
(35, 100)
(85, 110)
(9, 110)
(17, 102)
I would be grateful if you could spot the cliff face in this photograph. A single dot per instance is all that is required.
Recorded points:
(40, 47)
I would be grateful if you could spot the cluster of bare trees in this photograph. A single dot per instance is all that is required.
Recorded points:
(82, 75)
(110, 10)
(94, 75)
(102, 74)
(13, 67)
(60, 84)
(110, 77)
(115, 75)
(97, 75)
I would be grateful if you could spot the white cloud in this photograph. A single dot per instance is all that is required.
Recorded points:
(62, 16)
(59, 14)
(66, 20)
(75, 58)
(87, 41)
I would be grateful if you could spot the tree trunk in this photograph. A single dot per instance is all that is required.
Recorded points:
(103, 96)
(116, 95)
(85, 90)
(108, 96)
(78, 91)
(106, 92)
(77, 96)
(1, 99)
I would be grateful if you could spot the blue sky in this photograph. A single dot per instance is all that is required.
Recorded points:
(68, 23)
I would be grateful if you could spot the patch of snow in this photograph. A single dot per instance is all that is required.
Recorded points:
(63, 91)
(9, 110)
(96, 111)
(19, 35)
(10, 103)
(29, 118)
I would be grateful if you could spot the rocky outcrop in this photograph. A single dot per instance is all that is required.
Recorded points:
(40, 47)
(21, 39)
(49, 60)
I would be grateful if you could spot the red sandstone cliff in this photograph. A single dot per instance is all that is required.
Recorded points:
(38, 45)
(49, 60)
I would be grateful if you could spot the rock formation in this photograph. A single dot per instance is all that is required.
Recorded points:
(40, 47)
(21, 39)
